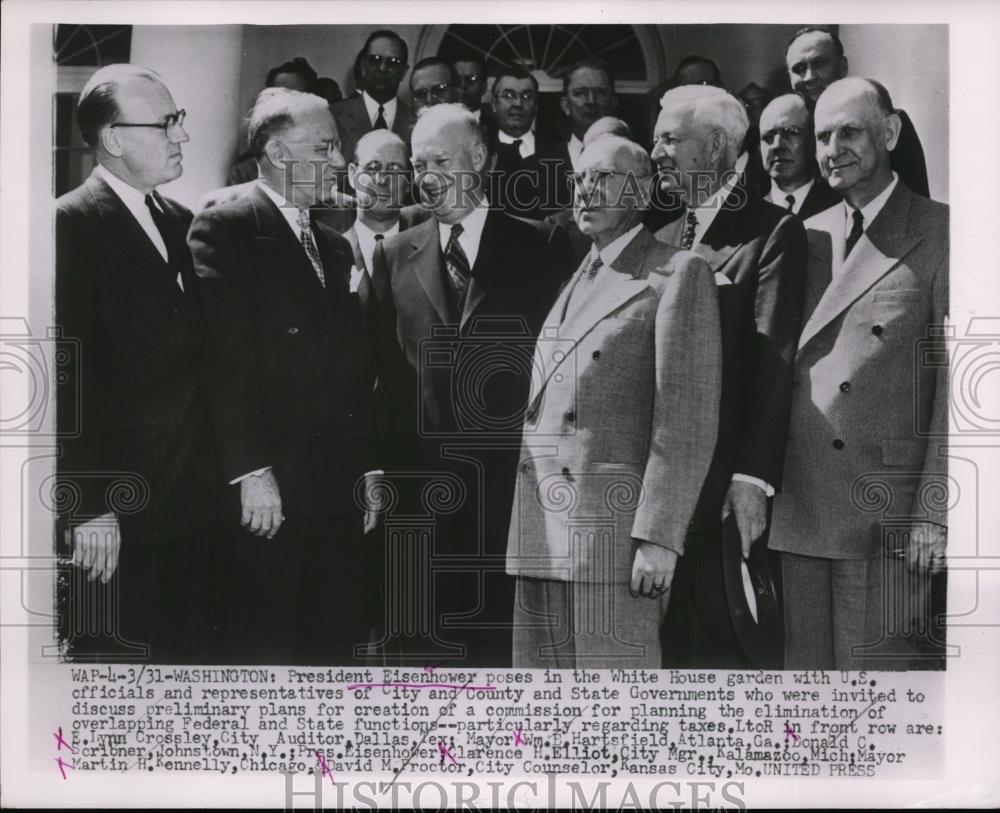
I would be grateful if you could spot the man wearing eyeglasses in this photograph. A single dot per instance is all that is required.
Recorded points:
(432, 81)
(124, 294)
(758, 253)
(788, 153)
(471, 74)
(378, 70)
(289, 384)
(618, 434)
(525, 178)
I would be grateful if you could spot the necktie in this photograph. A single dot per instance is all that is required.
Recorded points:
(516, 144)
(380, 123)
(790, 200)
(165, 227)
(690, 227)
(457, 264)
(593, 268)
(305, 235)
(856, 232)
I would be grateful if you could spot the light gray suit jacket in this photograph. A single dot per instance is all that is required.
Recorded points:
(869, 408)
(622, 417)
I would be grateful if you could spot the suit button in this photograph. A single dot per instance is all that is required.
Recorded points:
(596, 355)
(525, 466)
(570, 415)
(877, 330)
(838, 444)
(845, 386)
(293, 330)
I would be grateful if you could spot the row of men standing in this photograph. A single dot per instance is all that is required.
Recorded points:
(683, 381)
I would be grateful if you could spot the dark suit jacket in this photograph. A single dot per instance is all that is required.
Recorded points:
(530, 187)
(465, 377)
(288, 369)
(908, 158)
(353, 122)
(762, 252)
(132, 404)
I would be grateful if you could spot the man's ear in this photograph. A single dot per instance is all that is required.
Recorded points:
(275, 152)
(110, 141)
(717, 147)
(352, 170)
(891, 129)
(564, 106)
(843, 67)
(480, 155)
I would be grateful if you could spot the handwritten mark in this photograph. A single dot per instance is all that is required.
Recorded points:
(518, 739)
(435, 666)
(354, 686)
(790, 733)
(443, 750)
(63, 765)
(324, 768)
(60, 742)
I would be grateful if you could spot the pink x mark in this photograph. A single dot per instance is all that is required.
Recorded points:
(518, 739)
(443, 750)
(60, 742)
(790, 733)
(324, 768)
(63, 765)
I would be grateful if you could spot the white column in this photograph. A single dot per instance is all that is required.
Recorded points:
(201, 65)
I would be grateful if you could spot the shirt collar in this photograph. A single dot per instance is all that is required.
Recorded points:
(527, 141)
(575, 148)
(472, 232)
(366, 240)
(133, 199)
(871, 209)
(778, 197)
(706, 213)
(288, 211)
(613, 249)
(388, 109)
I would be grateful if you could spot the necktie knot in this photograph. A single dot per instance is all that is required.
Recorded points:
(456, 231)
(790, 200)
(304, 221)
(857, 229)
(379, 237)
(516, 144)
(380, 122)
(594, 267)
(690, 228)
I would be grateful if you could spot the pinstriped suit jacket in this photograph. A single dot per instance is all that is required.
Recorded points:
(869, 409)
(622, 417)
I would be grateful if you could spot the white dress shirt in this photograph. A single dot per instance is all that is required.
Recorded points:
(868, 212)
(135, 202)
(575, 148)
(472, 232)
(367, 241)
(527, 148)
(608, 255)
(779, 197)
(388, 109)
(706, 213)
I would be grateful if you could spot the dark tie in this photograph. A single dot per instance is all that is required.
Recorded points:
(306, 238)
(690, 227)
(790, 200)
(167, 229)
(380, 123)
(457, 264)
(856, 232)
(516, 144)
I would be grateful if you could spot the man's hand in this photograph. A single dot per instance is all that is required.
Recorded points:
(372, 485)
(749, 503)
(261, 502)
(96, 545)
(928, 545)
(652, 570)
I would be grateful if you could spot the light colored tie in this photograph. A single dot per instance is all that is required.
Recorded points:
(305, 235)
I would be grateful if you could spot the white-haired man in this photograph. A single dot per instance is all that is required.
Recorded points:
(758, 253)
(289, 382)
(615, 446)
(459, 302)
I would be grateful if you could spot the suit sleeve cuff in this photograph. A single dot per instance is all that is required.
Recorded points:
(764, 486)
(243, 477)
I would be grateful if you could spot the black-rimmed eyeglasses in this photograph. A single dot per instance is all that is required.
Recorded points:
(169, 122)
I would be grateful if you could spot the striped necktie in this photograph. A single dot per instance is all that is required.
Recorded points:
(306, 237)
(457, 264)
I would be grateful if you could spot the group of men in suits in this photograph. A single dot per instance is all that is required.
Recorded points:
(594, 393)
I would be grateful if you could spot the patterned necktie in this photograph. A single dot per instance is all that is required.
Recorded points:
(790, 200)
(856, 232)
(380, 123)
(457, 264)
(690, 227)
(593, 268)
(305, 232)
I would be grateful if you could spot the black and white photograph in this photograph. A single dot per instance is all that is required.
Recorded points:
(499, 368)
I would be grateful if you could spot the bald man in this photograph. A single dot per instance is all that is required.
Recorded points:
(865, 477)
(615, 450)
(788, 154)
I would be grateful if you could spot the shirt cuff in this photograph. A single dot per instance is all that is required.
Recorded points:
(243, 477)
(764, 486)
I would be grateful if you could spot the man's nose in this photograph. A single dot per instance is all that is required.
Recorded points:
(180, 135)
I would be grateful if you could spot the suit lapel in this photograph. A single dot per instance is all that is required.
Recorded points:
(613, 287)
(426, 259)
(489, 262)
(671, 233)
(359, 258)
(130, 236)
(879, 250)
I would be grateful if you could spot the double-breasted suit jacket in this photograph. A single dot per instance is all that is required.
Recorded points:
(622, 417)
(869, 409)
